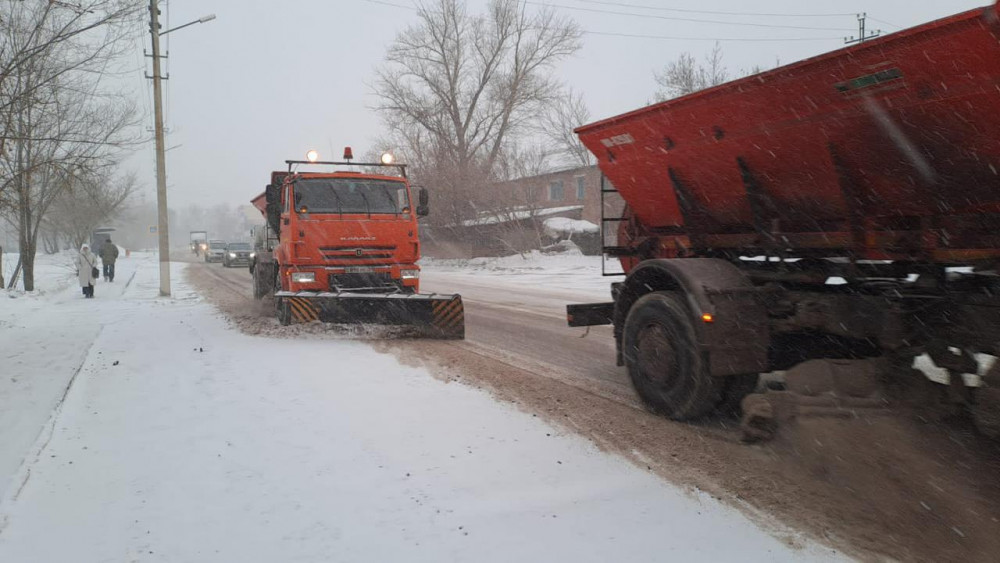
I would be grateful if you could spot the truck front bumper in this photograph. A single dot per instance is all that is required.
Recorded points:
(433, 315)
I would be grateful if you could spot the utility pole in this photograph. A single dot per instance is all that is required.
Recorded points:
(161, 165)
(861, 32)
(161, 157)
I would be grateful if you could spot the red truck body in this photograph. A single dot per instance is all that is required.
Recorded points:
(889, 149)
(814, 211)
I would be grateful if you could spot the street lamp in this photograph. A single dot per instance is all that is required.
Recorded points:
(161, 172)
(202, 19)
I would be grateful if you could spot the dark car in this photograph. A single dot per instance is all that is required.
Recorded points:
(237, 254)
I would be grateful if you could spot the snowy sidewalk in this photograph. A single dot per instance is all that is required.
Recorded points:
(45, 339)
(184, 440)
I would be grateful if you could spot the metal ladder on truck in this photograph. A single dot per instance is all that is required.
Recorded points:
(610, 251)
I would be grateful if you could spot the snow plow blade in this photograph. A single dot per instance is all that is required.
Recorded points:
(433, 315)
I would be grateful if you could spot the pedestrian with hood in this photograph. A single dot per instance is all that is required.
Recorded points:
(86, 270)
(109, 253)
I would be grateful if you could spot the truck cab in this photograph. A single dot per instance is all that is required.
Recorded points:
(199, 242)
(342, 246)
(342, 231)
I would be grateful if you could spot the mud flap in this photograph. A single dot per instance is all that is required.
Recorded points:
(432, 315)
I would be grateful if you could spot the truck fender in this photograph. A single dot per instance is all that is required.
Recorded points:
(729, 317)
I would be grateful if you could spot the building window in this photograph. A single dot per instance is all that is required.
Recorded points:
(556, 191)
(531, 194)
(580, 188)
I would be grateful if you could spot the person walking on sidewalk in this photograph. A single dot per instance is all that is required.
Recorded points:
(109, 253)
(86, 270)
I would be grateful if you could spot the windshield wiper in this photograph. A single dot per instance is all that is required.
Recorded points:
(340, 207)
(368, 209)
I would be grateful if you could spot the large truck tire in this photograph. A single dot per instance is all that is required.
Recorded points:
(661, 354)
(284, 310)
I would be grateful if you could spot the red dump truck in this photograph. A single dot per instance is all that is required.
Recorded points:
(846, 206)
(340, 244)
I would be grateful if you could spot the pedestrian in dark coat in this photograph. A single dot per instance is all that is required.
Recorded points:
(109, 253)
(86, 265)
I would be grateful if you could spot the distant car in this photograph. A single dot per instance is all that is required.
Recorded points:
(216, 251)
(237, 254)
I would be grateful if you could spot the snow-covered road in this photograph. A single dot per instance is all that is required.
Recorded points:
(181, 439)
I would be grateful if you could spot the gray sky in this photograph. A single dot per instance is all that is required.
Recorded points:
(267, 80)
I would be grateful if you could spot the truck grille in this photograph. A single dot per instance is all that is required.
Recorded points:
(355, 252)
(374, 282)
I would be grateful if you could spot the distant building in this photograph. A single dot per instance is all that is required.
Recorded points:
(578, 187)
(532, 212)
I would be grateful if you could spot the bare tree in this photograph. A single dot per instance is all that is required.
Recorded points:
(563, 115)
(685, 75)
(89, 202)
(58, 123)
(458, 89)
(70, 37)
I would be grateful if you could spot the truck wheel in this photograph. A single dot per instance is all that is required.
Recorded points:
(284, 312)
(662, 358)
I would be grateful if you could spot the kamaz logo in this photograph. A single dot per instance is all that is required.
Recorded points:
(357, 238)
(359, 252)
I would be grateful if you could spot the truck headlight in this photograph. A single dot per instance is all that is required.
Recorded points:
(303, 277)
(409, 274)
(232, 255)
(253, 254)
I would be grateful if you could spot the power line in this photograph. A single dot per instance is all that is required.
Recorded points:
(391, 4)
(885, 22)
(713, 39)
(714, 12)
(692, 20)
(663, 37)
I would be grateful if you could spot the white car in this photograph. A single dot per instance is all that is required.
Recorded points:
(216, 251)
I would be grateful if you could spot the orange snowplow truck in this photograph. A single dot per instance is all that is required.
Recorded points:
(341, 246)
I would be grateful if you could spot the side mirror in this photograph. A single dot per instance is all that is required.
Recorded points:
(270, 194)
(422, 198)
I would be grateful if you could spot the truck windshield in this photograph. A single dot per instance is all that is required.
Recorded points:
(350, 195)
(239, 246)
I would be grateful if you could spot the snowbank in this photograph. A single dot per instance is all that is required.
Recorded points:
(564, 226)
(53, 272)
(569, 270)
